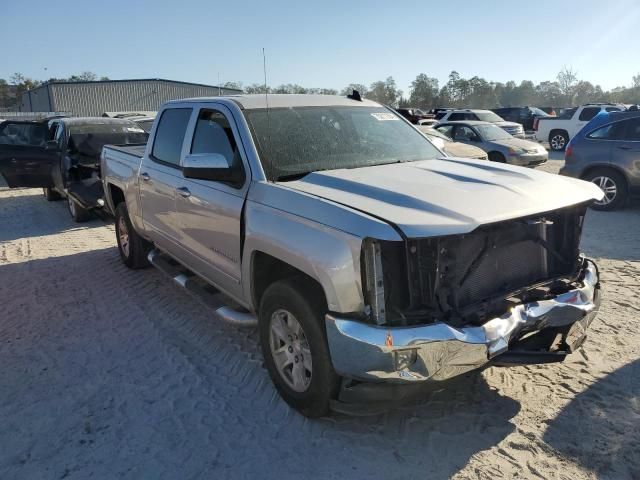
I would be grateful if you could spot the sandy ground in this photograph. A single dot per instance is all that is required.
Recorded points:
(111, 373)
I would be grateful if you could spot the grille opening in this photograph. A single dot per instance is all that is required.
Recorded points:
(469, 278)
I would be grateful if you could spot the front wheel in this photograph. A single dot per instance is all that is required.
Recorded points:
(614, 186)
(294, 346)
(132, 247)
(77, 211)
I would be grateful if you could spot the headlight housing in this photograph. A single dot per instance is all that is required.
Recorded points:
(516, 151)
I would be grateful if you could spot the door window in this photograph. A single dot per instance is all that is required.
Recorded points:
(456, 116)
(613, 131)
(167, 145)
(446, 130)
(213, 134)
(464, 134)
(23, 134)
(588, 113)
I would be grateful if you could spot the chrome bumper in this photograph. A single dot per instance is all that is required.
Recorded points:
(439, 351)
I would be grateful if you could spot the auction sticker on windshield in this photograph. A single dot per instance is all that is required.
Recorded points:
(384, 116)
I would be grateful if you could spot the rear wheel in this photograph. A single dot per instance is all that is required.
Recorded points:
(614, 186)
(50, 194)
(497, 157)
(77, 211)
(558, 140)
(294, 346)
(132, 247)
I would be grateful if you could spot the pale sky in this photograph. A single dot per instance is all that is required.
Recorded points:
(322, 44)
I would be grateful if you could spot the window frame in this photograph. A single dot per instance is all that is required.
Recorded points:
(589, 136)
(598, 110)
(239, 189)
(152, 157)
(627, 129)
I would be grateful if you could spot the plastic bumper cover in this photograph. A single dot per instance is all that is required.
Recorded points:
(439, 351)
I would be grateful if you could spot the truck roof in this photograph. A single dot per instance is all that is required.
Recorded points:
(284, 100)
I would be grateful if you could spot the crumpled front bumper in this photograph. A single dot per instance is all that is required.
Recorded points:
(439, 351)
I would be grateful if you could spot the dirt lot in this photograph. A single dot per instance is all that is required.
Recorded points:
(111, 373)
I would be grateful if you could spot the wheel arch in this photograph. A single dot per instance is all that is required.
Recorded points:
(604, 166)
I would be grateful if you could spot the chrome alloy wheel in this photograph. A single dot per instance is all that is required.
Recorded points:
(557, 142)
(290, 350)
(123, 236)
(72, 207)
(608, 186)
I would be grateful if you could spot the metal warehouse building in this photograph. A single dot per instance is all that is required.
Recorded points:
(95, 98)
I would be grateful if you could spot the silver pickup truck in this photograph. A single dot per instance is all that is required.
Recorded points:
(360, 250)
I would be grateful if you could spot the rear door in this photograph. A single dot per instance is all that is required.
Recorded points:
(626, 151)
(159, 176)
(24, 160)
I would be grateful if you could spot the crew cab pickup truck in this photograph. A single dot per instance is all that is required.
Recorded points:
(362, 253)
(62, 156)
(559, 130)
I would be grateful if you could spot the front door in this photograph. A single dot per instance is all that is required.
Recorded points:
(160, 175)
(24, 159)
(209, 211)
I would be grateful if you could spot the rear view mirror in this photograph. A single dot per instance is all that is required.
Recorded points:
(210, 166)
(51, 146)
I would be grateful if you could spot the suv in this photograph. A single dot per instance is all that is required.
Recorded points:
(523, 115)
(511, 128)
(607, 153)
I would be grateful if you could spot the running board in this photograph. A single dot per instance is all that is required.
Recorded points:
(202, 291)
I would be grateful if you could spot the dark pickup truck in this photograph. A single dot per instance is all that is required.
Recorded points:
(62, 156)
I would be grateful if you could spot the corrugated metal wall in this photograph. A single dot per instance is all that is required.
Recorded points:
(94, 98)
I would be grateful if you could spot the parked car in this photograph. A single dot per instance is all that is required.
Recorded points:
(360, 253)
(63, 157)
(559, 130)
(451, 148)
(522, 115)
(499, 145)
(607, 152)
(427, 122)
(512, 128)
(413, 114)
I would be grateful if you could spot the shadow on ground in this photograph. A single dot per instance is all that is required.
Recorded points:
(189, 395)
(607, 417)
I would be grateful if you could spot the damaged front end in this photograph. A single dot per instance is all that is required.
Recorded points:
(510, 292)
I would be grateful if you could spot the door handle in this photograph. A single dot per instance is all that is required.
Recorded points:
(624, 147)
(145, 176)
(183, 192)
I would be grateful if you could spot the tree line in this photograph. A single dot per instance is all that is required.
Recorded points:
(425, 92)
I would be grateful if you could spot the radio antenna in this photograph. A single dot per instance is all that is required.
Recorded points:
(266, 100)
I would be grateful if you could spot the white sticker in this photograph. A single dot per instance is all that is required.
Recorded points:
(384, 116)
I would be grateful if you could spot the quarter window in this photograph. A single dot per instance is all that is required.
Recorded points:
(167, 145)
(633, 130)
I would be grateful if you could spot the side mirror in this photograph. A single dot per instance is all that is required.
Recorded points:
(51, 146)
(210, 166)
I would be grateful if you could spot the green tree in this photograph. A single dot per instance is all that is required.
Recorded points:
(385, 92)
(423, 92)
(348, 90)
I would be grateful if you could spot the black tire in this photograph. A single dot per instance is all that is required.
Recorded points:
(50, 194)
(77, 211)
(497, 157)
(606, 178)
(303, 300)
(558, 140)
(134, 253)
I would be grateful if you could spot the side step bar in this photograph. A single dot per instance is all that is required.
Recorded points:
(223, 307)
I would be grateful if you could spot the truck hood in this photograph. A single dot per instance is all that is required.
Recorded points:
(448, 195)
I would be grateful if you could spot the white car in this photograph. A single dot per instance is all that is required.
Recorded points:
(559, 130)
(512, 128)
